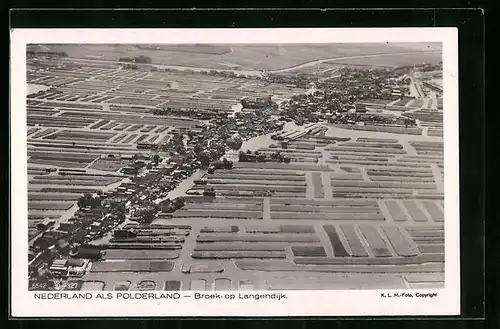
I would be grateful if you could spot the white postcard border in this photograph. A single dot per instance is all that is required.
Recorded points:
(298, 303)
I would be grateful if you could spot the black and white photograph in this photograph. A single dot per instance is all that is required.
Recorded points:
(259, 168)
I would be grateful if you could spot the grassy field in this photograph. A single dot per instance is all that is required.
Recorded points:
(268, 57)
(393, 60)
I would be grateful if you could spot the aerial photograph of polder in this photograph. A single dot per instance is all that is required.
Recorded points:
(245, 167)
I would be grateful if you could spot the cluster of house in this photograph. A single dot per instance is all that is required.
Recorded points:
(256, 119)
(258, 103)
(337, 98)
(291, 81)
(61, 251)
(361, 83)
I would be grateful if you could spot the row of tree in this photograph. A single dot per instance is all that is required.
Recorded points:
(32, 53)
(248, 156)
(139, 59)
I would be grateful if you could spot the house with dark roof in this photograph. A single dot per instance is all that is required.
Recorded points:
(89, 253)
(43, 243)
(63, 246)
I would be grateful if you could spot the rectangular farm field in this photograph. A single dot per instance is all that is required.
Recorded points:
(141, 138)
(52, 197)
(261, 181)
(388, 129)
(161, 129)
(153, 139)
(133, 266)
(32, 130)
(434, 210)
(122, 126)
(135, 127)
(72, 182)
(49, 205)
(109, 164)
(147, 129)
(304, 209)
(212, 213)
(81, 135)
(375, 140)
(253, 176)
(317, 185)
(64, 189)
(349, 216)
(73, 105)
(110, 125)
(254, 188)
(223, 206)
(59, 163)
(139, 254)
(44, 133)
(119, 138)
(371, 144)
(326, 203)
(403, 101)
(415, 212)
(296, 167)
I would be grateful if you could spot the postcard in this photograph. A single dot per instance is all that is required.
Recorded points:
(234, 172)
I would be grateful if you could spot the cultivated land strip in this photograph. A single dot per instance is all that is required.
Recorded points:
(362, 210)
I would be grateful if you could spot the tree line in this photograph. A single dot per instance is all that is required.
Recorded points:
(32, 53)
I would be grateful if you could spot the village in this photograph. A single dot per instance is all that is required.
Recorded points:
(131, 162)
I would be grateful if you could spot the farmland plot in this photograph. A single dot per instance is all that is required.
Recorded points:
(71, 179)
(296, 167)
(81, 135)
(57, 162)
(253, 188)
(385, 128)
(403, 101)
(139, 254)
(353, 240)
(133, 266)
(110, 125)
(256, 182)
(109, 164)
(32, 130)
(52, 197)
(57, 121)
(71, 182)
(35, 205)
(61, 159)
(434, 211)
(305, 209)
(136, 119)
(317, 185)
(381, 207)
(222, 214)
(44, 132)
(425, 242)
(348, 216)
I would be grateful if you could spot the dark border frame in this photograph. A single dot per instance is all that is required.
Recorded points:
(471, 94)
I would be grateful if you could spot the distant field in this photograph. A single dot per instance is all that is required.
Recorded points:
(197, 49)
(268, 57)
(393, 60)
